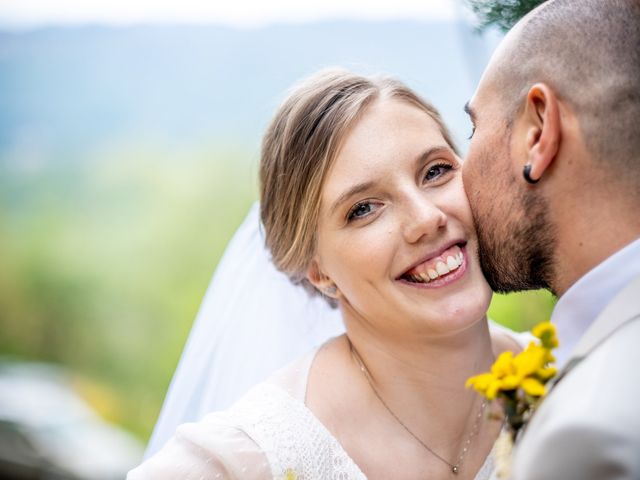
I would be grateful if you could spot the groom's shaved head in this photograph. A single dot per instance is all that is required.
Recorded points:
(561, 99)
(588, 51)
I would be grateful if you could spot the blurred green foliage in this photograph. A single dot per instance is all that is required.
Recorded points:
(503, 14)
(521, 311)
(104, 265)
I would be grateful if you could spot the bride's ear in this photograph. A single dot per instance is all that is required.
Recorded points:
(321, 281)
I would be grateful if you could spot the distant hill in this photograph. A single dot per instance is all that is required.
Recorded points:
(66, 92)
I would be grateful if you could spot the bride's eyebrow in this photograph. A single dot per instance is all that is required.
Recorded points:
(355, 190)
(435, 150)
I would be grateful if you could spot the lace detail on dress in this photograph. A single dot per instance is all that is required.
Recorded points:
(293, 439)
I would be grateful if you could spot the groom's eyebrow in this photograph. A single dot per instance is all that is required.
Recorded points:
(470, 112)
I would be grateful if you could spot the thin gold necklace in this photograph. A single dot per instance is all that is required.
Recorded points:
(455, 467)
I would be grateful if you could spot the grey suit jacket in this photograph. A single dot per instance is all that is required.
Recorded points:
(588, 427)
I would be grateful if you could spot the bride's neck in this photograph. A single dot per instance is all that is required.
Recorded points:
(419, 381)
(426, 372)
(425, 359)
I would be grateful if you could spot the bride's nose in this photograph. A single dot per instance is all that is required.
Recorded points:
(422, 218)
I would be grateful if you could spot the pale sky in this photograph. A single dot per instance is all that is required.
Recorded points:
(242, 13)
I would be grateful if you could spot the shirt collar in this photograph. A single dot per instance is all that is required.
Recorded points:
(577, 309)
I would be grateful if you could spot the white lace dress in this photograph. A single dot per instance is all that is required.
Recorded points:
(268, 434)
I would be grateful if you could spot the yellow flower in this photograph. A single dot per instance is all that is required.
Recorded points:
(549, 357)
(519, 381)
(503, 366)
(494, 387)
(547, 372)
(481, 382)
(533, 387)
(530, 360)
(546, 332)
(511, 382)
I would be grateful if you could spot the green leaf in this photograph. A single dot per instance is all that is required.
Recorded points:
(503, 14)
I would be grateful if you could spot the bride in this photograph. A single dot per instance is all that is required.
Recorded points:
(362, 202)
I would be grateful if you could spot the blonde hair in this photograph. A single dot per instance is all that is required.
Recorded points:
(299, 148)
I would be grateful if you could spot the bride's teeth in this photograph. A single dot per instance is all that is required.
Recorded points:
(442, 269)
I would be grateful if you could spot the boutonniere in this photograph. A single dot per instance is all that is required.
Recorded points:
(518, 383)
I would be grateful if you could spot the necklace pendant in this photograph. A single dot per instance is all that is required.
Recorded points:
(455, 469)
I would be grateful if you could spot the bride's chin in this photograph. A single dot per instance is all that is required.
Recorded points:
(459, 317)
(453, 325)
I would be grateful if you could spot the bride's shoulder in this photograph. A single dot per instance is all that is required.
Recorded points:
(294, 377)
(233, 443)
(214, 447)
(504, 339)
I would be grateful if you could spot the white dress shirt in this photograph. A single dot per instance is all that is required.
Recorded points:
(584, 301)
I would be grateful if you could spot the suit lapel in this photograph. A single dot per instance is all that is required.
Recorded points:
(624, 309)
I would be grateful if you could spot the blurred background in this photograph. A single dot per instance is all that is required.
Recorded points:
(129, 140)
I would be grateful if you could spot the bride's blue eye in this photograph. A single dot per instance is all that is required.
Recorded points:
(436, 171)
(360, 210)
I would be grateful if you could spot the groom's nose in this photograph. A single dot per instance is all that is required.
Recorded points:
(421, 217)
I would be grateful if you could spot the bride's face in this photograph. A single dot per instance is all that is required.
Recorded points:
(395, 233)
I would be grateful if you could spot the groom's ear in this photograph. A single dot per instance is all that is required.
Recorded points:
(542, 117)
(320, 280)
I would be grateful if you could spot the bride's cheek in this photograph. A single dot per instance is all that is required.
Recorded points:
(456, 206)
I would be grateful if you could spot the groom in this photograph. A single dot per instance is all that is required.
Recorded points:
(553, 177)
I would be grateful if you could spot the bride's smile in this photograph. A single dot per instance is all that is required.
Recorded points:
(395, 232)
(439, 265)
(438, 269)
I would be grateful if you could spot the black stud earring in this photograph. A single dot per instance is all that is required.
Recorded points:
(527, 174)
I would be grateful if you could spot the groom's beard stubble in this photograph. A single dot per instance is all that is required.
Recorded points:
(517, 253)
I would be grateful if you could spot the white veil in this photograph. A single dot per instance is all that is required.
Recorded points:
(252, 321)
